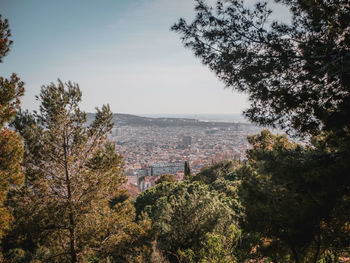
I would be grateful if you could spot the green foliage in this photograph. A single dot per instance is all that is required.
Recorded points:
(297, 74)
(146, 201)
(216, 248)
(5, 34)
(225, 179)
(166, 178)
(182, 214)
(10, 89)
(63, 212)
(295, 197)
(11, 149)
(132, 243)
(222, 170)
(10, 92)
(11, 152)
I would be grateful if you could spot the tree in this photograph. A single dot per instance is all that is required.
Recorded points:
(11, 149)
(297, 74)
(166, 178)
(216, 248)
(295, 198)
(63, 212)
(221, 170)
(187, 171)
(5, 34)
(183, 214)
(146, 201)
(225, 179)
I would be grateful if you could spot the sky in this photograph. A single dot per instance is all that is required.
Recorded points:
(120, 52)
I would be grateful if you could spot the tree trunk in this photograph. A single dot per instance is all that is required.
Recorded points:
(295, 255)
(318, 242)
(73, 253)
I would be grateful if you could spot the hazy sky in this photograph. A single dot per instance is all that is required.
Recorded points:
(120, 52)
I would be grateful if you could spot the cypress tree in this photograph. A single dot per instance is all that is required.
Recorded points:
(187, 171)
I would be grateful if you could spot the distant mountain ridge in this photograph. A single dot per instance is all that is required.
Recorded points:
(121, 119)
(214, 117)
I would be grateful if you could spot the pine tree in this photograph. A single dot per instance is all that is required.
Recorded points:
(296, 199)
(72, 173)
(11, 150)
(297, 77)
(297, 74)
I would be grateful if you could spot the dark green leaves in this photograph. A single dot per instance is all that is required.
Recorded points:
(296, 74)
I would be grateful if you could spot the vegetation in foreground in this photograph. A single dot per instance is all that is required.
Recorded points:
(61, 190)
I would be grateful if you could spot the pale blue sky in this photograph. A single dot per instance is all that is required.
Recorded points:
(121, 52)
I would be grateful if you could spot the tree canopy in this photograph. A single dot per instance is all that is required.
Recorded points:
(11, 150)
(297, 74)
(183, 214)
(166, 178)
(63, 212)
(295, 198)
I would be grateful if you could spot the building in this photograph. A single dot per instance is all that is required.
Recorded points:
(158, 169)
(186, 142)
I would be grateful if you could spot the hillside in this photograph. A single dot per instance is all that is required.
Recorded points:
(120, 119)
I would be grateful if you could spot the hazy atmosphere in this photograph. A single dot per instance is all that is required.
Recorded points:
(119, 52)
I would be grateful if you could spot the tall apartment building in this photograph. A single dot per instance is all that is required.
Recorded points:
(186, 141)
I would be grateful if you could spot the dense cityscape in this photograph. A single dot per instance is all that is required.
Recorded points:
(155, 146)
